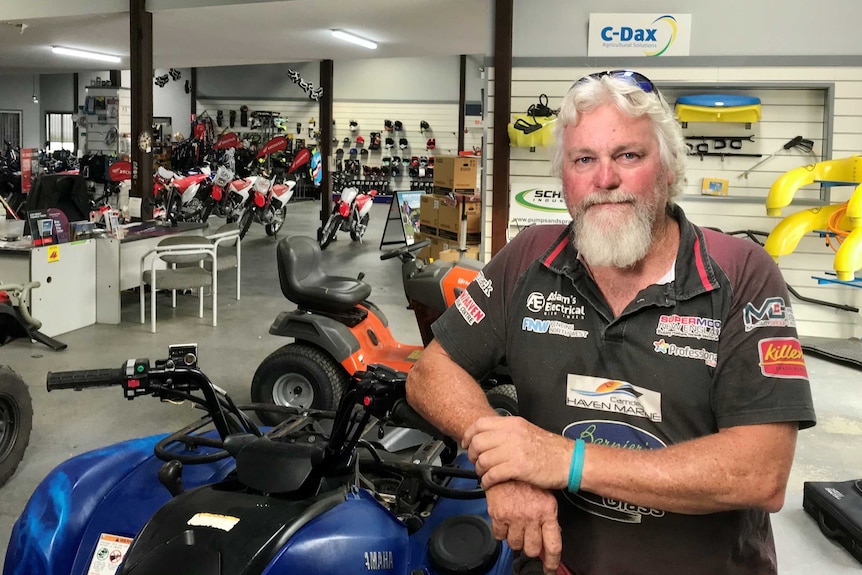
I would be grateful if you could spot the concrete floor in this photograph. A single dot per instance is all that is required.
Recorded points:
(68, 423)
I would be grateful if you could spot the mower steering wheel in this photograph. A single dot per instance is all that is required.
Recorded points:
(186, 437)
(404, 250)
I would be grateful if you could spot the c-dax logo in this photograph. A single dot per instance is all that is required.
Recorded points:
(542, 200)
(646, 38)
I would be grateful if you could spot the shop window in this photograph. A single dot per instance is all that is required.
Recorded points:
(10, 128)
(59, 131)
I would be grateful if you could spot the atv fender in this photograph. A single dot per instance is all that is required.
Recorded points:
(109, 490)
(330, 335)
(46, 538)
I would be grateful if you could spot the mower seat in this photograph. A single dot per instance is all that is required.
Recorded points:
(305, 283)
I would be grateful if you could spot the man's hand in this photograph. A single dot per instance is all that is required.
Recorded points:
(511, 448)
(526, 518)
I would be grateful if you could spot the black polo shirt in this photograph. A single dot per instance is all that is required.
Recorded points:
(713, 347)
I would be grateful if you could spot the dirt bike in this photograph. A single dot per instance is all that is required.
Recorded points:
(337, 331)
(319, 494)
(183, 196)
(350, 213)
(266, 200)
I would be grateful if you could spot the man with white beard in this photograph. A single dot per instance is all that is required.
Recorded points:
(660, 380)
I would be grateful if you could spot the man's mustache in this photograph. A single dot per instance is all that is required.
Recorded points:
(615, 197)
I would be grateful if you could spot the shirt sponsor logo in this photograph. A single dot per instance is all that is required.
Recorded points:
(773, 312)
(555, 304)
(486, 285)
(620, 435)
(782, 357)
(470, 311)
(689, 326)
(614, 396)
(552, 327)
(708, 357)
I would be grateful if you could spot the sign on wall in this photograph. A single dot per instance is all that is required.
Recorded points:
(639, 35)
(537, 204)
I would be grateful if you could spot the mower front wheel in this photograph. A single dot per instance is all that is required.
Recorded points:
(504, 399)
(298, 375)
(16, 421)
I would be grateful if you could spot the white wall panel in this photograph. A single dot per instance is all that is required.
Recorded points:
(786, 113)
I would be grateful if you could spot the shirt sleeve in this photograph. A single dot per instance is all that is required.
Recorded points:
(473, 330)
(760, 374)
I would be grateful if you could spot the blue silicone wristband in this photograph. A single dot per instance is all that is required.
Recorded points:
(577, 467)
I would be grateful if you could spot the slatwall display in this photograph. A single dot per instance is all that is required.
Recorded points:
(823, 104)
(369, 116)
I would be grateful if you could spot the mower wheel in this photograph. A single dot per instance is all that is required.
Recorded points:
(298, 375)
(504, 399)
(16, 421)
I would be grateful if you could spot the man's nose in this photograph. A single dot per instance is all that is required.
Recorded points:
(606, 176)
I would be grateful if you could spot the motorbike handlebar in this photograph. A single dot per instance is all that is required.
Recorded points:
(85, 378)
(403, 414)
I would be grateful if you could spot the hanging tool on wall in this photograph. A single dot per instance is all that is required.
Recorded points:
(723, 155)
(799, 143)
(719, 142)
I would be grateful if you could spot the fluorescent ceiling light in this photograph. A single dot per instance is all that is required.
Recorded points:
(348, 37)
(85, 54)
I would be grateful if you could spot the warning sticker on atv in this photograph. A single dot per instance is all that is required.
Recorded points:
(108, 555)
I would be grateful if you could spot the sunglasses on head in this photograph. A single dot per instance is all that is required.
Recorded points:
(635, 78)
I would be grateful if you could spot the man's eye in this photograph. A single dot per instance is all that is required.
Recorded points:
(583, 160)
(629, 156)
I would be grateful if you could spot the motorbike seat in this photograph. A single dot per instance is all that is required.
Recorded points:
(305, 283)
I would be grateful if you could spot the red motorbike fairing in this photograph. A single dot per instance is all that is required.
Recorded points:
(120, 171)
(228, 140)
(276, 144)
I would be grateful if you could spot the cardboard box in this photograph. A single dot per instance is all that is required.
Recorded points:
(456, 174)
(453, 255)
(430, 252)
(449, 192)
(449, 217)
(428, 209)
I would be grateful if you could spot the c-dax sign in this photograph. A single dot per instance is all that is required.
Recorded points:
(639, 35)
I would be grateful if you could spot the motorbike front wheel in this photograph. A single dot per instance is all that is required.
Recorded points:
(245, 220)
(298, 375)
(16, 421)
(329, 230)
(277, 221)
(359, 229)
(207, 209)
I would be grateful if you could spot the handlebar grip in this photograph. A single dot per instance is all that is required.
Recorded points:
(403, 414)
(85, 378)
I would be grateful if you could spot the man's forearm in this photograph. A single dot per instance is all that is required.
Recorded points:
(444, 394)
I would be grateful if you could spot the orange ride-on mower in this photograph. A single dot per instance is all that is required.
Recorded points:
(337, 331)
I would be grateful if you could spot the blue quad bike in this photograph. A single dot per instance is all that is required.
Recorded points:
(318, 493)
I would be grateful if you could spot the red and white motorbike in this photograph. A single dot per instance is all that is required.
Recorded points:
(183, 197)
(263, 200)
(350, 213)
(218, 202)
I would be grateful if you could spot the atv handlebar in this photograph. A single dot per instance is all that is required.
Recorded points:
(85, 378)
